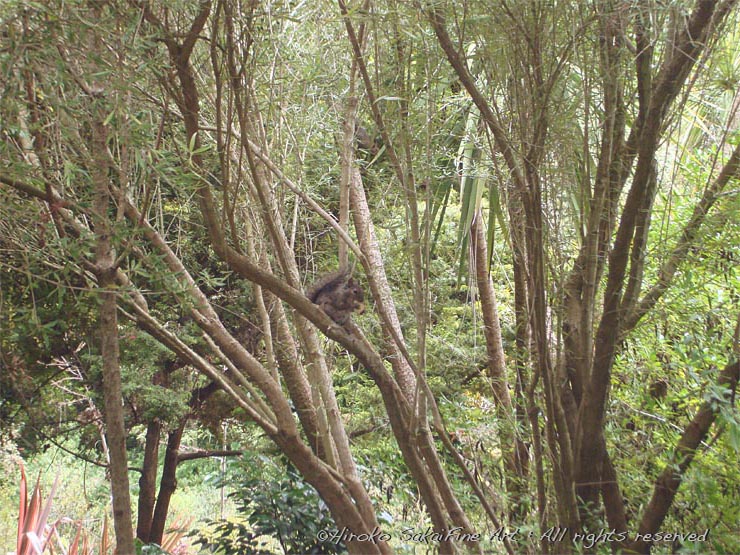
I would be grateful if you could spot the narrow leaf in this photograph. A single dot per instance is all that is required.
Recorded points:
(35, 542)
(73, 549)
(22, 509)
(47, 507)
(104, 537)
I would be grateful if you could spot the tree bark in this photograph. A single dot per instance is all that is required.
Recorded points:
(109, 349)
(148, 482)
(168, 483)
(515, 452)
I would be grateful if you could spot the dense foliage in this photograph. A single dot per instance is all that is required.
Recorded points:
(274, 507)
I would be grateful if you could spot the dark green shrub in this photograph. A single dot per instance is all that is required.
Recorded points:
(277, 508)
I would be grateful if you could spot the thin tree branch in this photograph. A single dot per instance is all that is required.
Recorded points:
(731, 170)
(207, 453)
(667, 484)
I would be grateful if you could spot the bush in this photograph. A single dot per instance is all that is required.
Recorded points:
(277, 510)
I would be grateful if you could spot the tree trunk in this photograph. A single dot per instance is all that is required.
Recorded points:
(108, 333)
(514, 451)
(148, 482)
(167, 484)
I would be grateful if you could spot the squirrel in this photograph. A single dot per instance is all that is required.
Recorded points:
(338, 294)
(364, 141)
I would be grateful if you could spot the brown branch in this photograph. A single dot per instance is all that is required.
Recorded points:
(207, 453)
(667, 484)
(654, 103)
(639, 242)
(688, 236)
(461, 69)
(364, 431)
(23, 187)
(671, 78)
(195, 29)
(77, 454)
(356, 43)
